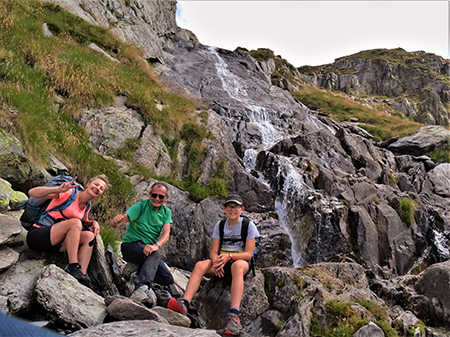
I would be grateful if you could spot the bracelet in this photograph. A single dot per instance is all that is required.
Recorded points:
(230, 257)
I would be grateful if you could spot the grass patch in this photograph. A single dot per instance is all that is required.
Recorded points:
(406, 211)
(342, 320)
(340, 108)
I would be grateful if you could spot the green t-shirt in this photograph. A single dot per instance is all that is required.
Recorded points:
(146, 222)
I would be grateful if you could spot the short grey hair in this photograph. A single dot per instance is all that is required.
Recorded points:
(161, 184)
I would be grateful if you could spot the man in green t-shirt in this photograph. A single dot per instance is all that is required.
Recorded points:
(148, 229)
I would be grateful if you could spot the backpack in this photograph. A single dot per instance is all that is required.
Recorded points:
(36, 208)
(244, 233)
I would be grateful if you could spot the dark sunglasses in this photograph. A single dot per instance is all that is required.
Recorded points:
(160, 196)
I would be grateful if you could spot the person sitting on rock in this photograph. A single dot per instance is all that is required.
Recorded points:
(233, 257)
(67, 234)
(149, 228)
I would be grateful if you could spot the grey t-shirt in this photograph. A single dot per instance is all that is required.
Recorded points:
(234, 233)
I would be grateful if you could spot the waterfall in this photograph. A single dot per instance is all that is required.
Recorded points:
(256, 114)
(441, 245)
(287, 206)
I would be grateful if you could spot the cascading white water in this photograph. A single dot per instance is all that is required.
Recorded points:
(286, 205)
(441, 245)
(256, 114)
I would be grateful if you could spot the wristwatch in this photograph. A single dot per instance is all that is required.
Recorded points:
(158, 244)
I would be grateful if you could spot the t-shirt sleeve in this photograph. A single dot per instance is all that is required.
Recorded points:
(252, 231)
(168, 216)
(216, 232)
(134, 211)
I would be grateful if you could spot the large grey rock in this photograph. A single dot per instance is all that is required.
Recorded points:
(109, 128)
(8, 257)
(214, 298)
(9, 229)
(369, 330)
(125, 309)
(15, 167)
(152, 153)
(146, 24)
(17, 285)
(142, 328)
(434, 283)
(425, 140)
(440, 178)
(100, 271)
(77, 307)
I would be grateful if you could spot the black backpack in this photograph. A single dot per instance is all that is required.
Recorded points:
(244, 234)
(36, 208)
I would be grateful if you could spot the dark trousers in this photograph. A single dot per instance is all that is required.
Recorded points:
(151, 268)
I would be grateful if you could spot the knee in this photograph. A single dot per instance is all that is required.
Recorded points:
(75, 224)
(239, 267)
(201, 267)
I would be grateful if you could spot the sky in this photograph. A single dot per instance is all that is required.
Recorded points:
(317, 32)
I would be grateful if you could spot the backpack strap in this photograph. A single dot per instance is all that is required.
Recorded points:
(61, 207)
(221, 229)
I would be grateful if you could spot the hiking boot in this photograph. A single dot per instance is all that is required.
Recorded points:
(75, 271)
(233, 326)
(140, 294)
(177, 305)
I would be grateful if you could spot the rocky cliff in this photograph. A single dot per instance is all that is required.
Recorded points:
(367, 223)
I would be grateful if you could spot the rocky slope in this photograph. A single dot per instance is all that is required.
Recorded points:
(325, 197)
(409, 84)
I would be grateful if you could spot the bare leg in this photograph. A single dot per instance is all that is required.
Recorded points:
(201, 269)
(67, 232)
(238, 270)
(85, 251)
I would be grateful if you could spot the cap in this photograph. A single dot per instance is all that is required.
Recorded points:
(234, 198)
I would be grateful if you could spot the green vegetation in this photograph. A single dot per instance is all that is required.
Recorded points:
(406, 211)
(342, 320)
(381, 125)
(35, 68)
(441, 156)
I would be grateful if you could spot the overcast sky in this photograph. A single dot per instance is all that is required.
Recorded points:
(317, 32)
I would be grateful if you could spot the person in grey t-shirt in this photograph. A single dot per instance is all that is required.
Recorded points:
(233, 258)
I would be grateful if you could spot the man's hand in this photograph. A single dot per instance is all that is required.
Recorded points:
(118, 220)
(148, 249)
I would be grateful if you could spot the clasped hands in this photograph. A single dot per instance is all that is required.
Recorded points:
(218, 263)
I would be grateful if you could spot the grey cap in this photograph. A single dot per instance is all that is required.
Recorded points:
(234, 198)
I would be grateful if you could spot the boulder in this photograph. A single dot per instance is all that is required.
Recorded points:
(213, 300)
(124, 309)
(77, 307)
(440, 178)
(15, 167)
(10, 199)
(17, 286)
(425, 140)
(142, 328)
(9, 229)
(369, 330)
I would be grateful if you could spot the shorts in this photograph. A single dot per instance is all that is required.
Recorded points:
(227, 268)
(38, 239)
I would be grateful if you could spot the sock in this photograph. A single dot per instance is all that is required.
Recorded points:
(186, 302)
(234, 310)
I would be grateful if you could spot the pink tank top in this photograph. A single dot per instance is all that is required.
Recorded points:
(72, 211)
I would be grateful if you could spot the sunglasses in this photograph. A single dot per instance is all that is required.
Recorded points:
(235, 207)
(159, 196)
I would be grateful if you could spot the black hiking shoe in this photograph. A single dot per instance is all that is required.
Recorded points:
(75, 271)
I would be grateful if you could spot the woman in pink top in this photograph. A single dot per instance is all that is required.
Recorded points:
(66, 235)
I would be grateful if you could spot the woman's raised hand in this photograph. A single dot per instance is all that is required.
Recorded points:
(68, 185)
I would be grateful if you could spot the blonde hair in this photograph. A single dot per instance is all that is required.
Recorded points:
(102, 177)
